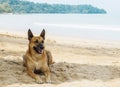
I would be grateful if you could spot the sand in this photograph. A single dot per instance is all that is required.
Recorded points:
(79, 63)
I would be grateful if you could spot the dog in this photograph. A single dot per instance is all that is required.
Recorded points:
(37, 58)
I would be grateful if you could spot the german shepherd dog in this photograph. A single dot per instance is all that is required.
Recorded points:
(37, 58)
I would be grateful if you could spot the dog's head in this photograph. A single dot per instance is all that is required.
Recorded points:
(36, 43)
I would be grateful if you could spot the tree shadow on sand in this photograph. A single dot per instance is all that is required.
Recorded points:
(12, 72)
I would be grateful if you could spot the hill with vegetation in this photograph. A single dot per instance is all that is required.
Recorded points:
(22, 6)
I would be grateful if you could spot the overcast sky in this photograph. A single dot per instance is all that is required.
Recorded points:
(112, 6)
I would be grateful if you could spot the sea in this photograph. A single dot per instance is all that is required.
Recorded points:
(85, 26)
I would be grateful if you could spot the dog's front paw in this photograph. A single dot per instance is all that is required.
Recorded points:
(39, 80)
(48, 81)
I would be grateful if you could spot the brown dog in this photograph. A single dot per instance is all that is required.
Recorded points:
(37, 58)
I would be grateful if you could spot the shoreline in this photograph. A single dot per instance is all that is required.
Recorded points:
(84, 32)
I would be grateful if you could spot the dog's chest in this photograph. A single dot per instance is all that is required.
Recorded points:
(38, 65)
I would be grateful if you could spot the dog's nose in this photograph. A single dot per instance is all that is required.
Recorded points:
(41, 46)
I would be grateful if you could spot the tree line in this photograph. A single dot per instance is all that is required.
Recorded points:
(22, 6)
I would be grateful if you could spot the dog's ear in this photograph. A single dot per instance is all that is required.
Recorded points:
(43, 34)
(30, 34)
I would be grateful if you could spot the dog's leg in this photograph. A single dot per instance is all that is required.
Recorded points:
(47, 76)
(33, 75)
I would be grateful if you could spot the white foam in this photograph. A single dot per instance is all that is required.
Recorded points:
(81, 26)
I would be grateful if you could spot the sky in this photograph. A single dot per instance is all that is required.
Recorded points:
(111, 6)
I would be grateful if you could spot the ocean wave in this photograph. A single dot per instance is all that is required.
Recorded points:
(81, 26)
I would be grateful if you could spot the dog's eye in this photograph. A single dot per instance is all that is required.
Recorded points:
(36, 41)
(42, 41)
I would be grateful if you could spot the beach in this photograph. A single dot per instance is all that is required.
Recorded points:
(78, 62)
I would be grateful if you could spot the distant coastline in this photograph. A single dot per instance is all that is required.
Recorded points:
(22, 6)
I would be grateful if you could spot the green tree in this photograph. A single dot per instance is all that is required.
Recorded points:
(23, 6)
(5, 8)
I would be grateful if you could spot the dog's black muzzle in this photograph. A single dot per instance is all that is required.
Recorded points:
(39, 48)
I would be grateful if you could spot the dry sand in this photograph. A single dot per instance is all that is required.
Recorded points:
(79, 63)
